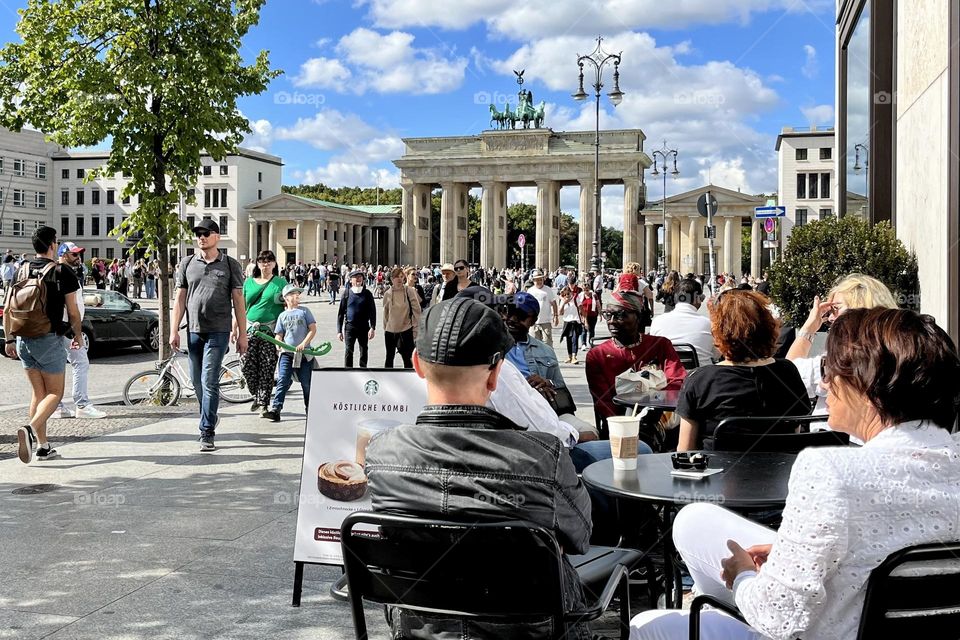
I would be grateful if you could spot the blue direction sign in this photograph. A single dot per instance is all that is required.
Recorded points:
(769, 212)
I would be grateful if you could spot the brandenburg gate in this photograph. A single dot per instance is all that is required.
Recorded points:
(498, 160)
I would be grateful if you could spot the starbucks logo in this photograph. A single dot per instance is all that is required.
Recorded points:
(371, 388)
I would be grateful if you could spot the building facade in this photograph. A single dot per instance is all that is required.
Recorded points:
(898, 105)
(26, 170)
(806, 177)
(41, 183)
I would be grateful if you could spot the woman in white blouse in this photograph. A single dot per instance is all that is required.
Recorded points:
(893, 381)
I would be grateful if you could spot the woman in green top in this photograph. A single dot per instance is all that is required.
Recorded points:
(263, 293)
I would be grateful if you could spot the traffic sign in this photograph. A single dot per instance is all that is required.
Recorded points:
(521, 240)
(710, 232)
(769, 212)
(769, 225)
(702, 205)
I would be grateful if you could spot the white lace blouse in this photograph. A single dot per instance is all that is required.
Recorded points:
(848, 509)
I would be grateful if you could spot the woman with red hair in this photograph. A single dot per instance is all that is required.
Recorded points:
(748, 381)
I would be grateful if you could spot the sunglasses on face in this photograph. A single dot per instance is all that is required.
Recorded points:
(266, 260)
(615, 316)
(202, 234)
(460, 268)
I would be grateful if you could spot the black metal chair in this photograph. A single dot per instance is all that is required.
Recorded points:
(789, 434)
(915, 592)
(688, 355)
(508, 572)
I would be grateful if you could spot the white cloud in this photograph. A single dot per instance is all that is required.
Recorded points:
(544, 18)
(322, 73)
(810, 67)
(328, 130)
(348, 174)
(260, 137)
(818, 114)
(383, 63)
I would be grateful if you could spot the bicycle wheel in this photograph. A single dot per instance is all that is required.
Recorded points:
(233, 386)
(148, 388)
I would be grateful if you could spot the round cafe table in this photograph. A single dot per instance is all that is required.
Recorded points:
(749, 481)
(665, 399)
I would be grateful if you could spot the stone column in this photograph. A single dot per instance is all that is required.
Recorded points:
(728, 246)
(408, 225)
(391, 245)
(693, 244)
(668, 242)
(358, 243)
(544, 224)
(272, 238)
(488, 225)
(587, 219)
(554, 261)
(421, 210)
(368, 246)
(252, 249)
(340, 246)
(632, 240)
(298, 245)
(500, 233)
(448, 223)
(650, 246)
(756, 247)
(318, 245)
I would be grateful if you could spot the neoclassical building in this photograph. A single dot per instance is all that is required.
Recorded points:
(300, 229)
(498, 160)
(688, 245)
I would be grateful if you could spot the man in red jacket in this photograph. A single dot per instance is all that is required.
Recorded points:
(630, 348)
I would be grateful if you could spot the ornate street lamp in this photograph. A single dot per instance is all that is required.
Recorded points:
(664, 154)
(598, 59)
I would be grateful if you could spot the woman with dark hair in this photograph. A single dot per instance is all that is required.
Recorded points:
(748, 381)
(893, 381)
(263, 293)
(666, 291)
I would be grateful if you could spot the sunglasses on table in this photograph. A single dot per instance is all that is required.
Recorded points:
(202, 234)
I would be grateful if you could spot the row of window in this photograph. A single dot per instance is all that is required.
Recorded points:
(207, 171)
(800, 217)
(212, 198)
(21, 197)
(20, 168)
(826, 153)
(222, 221)
(18, 226)
(80, 225)
(813, 186)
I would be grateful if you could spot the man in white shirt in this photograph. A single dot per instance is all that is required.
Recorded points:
(547, 299)
(686, 324)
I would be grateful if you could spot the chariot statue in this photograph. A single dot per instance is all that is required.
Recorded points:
(525, 114)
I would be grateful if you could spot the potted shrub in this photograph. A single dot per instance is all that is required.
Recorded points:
(820, 253)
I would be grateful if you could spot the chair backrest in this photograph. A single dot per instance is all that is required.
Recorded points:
(914, 593)
(510, 570)
(774, 434)
(688, 355)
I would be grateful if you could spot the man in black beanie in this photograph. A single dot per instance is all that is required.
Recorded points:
(462, 460)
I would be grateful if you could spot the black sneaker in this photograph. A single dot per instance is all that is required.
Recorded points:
(255, 407)
(272, 415)
(206, 444)
(46, 452)
(26, 440)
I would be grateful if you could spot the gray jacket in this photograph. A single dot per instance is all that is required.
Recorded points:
(470, 462)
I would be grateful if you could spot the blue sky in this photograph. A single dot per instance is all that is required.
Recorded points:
(716, 78)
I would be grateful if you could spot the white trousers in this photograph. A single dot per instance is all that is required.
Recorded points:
(81, 368)
(700, 533)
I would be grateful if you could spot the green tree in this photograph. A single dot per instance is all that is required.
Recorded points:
(521, 218)
(611, 241)
(158, 78)
(346, 195)
(569, 240)
(820, 253)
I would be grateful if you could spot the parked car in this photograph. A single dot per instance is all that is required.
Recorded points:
(111, 319)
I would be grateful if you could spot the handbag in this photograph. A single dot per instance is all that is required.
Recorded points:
(648, 378)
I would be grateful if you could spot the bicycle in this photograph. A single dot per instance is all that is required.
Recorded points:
(162, 386)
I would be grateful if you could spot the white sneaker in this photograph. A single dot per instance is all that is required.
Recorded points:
(90, 412)
(62, 414)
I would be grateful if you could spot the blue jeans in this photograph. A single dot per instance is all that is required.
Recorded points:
(151, 288)
(44, 353)
(285, 373)
(206, 357)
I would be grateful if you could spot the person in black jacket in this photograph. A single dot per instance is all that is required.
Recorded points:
(356, 319)
(463, 461)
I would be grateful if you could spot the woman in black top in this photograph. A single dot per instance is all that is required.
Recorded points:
(748, 382)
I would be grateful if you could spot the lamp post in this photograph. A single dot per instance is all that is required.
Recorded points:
(857, 148)
(664, 153)
(598, 59)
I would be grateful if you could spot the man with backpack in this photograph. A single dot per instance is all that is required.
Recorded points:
(33, 325)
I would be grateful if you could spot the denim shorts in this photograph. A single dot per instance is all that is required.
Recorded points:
(44, 353)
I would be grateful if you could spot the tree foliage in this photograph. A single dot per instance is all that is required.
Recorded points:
(159, 79)
(820, 253)
(346, 195)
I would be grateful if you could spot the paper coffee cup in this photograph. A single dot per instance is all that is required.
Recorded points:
(366, 430)
(624, 440)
